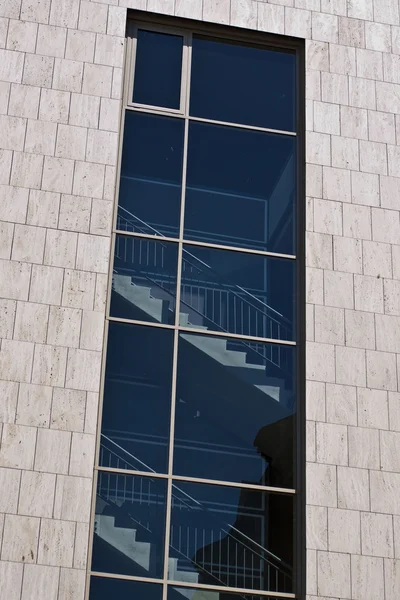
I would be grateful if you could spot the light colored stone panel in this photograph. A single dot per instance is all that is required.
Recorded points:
(83, 370)
(394, 411)
(28, 244)
(363, 448)
(46, 284)
(329, 325)
(74, 213)
(11, 579)
(377, 535)
(338, 289)
(43, 208)
(82, 454)
(36, 496)
(54, 105)
(38, 70)
(360, 329)
(334, 574)
(344, 531)
(71, 142)
(57, 174)
(101, 217)
(51, 41)
(49, 365)
(321, 486)
(390, 451)
(317, 527)
(347, 254)
(93, 252)
(13, 204)
(24, 101)
(377, 259)
(392, 579)
(40, 582)
(34, 403)
(79, 289)
(81, 545)
(353, 488)
(341, 404)
(52, 451)
(73, 498)
(319, 250)
(92, 404)
(60, 249)
(84, 110)
(381, 370)
(16, 360)
(64, 326)
(366, 578)
(97, 80)
(373, 408)
(8, 404)
(88, 180)
(7, 317)
(56, 543)
(20, 538)
(64, 13)
(11, 66)
(68, 410)
(368, 294)
(9, 485)
(31, 322)
(336, 185)
(385, 491)
(320, 362)
(331, 442)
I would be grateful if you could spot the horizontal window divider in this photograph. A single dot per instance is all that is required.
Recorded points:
(181, 478)
(127, 577)
(188, 584)
(180, 115)
(161, 238)
(220, 588)
(209, 332)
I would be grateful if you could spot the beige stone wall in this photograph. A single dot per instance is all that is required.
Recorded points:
(60, 88)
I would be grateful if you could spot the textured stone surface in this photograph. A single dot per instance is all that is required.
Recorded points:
(61, 67)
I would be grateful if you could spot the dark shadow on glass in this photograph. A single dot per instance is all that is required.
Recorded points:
(235, 537)
(236, 83)
(235, 407)
(105, 588)
(151, 174)
(137, 398)
(129, 525)
(240, 188)
(144, 280)
(158, 68)
(246, 294)
(179, 593)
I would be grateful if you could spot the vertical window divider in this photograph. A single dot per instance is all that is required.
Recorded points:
(185, 85)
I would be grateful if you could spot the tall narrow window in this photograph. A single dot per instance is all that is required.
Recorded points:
(197, 464)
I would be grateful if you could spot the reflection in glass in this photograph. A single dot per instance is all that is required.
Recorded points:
(238, 292)
(105, 588)
(158, 68)
(179, 593)
(240, 188)
(231, 536)
(129, 525)
(235, 406)
(243, 84)
(151, 174)
(144, 280)
(137, 398)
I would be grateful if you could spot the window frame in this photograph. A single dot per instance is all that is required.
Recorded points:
(183, 27)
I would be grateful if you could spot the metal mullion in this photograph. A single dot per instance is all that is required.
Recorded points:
(156, 110)
(220, 588)
(190, 242)
(206, 333)
(181, 478)
(194, 586)
(186, 77)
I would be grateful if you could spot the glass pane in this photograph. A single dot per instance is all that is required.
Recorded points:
(129, 525)
(158, 68)
(144, 280)
(179, 593)
(231, 536)
(137, 398)
(240, 188)
(151, 174)
(243, 84)
(235, 410)
(102, 588)
(248, 294)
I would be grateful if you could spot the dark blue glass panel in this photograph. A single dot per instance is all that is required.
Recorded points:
(178, 593)
(235, 410)
(137, 398)
(129, 525)
(105, 588)
(151, 174)
(158, 68)
(240, 188)
(243, 84)
(144, 280)
(231, 536)
(237, 292)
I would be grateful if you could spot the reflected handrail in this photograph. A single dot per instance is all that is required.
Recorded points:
(218, 275)
(205, 509)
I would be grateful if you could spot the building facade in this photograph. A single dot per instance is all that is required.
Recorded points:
(200, 299)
